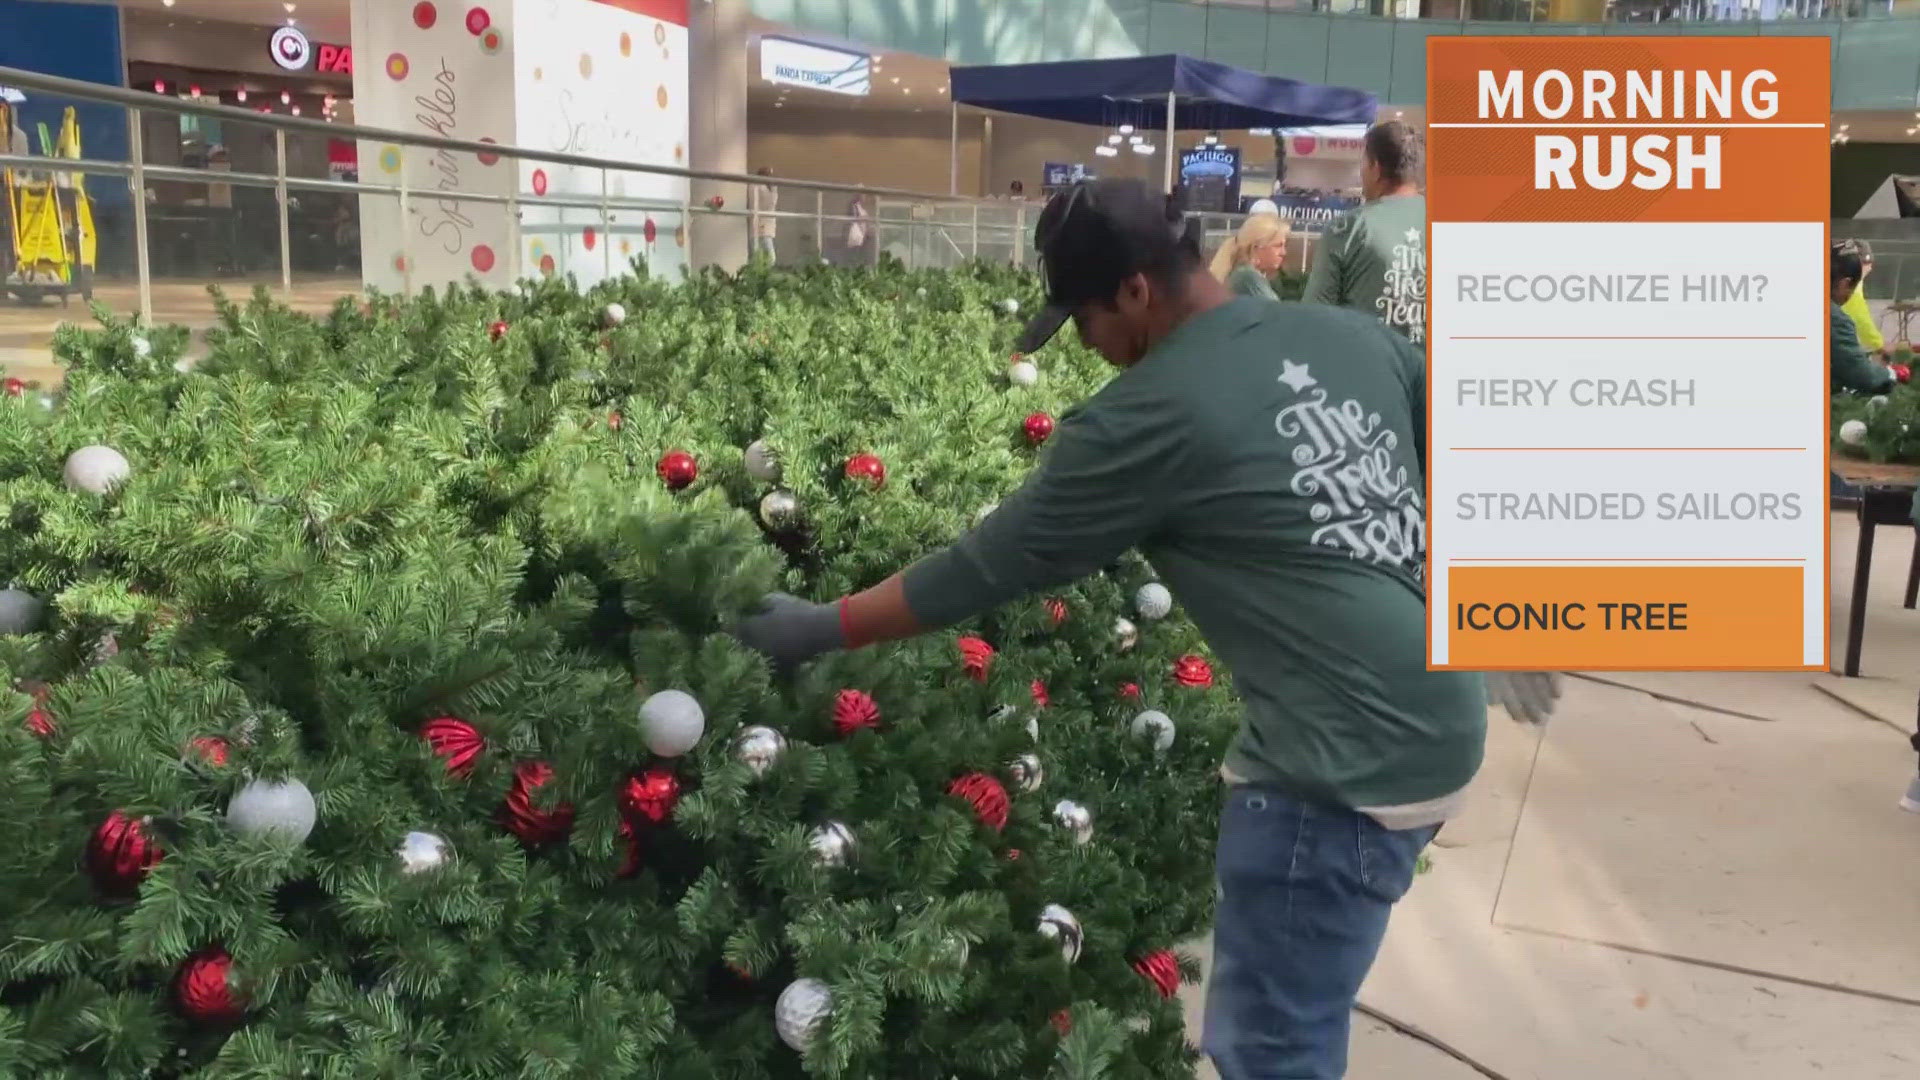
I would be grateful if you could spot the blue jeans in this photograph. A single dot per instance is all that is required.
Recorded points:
(1304, 894)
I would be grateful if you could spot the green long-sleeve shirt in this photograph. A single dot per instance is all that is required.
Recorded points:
(1267, 458)
(1374, 260)
(1849, 365)
(1244, 280)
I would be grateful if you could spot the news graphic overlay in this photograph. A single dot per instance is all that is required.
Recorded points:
(1627, 367)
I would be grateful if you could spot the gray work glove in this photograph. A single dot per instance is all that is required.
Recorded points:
(789, 631)
(1528, 696)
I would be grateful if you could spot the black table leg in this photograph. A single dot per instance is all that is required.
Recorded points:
(1857, 609)
(1913, 573)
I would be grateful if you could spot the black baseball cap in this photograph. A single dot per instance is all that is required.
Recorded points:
(1096, 234)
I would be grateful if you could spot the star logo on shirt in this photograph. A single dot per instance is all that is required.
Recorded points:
(1296, 376)
(1413, 235)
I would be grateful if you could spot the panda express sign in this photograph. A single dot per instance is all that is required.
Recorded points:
(294, 51)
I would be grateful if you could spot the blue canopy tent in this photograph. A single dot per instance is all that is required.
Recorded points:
(1167, 93)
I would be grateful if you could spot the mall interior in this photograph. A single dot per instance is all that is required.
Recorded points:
(1683, 876)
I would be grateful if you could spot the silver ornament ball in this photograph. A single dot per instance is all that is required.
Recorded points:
(423, 851)
(1077, 820)
(142, 348)
(1126, 633)
(1010, 305)
(763, 462)
(1060, 924)
(1156, 727)
(1153, 601)
(1023, 373)
(1027, 772)
(1853, 432)
(780, 510)
(96, 469)
(672, 722)
(613, 314)
(278, 806)
(758, 747)
(20, 612)
(799, 1011)
(1877, 402)
(832, 844)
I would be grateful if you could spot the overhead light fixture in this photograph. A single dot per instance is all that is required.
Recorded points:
(240, 96)
(1126, 129)
(159, 86)
(1107, 151)
(1397, 114)
(1143, 148)
(1113, 140)
(290, 7)
(296, 110)
(193, 92)
(166, 3)
(896, 80)
(286, 98)
(1212, 139)
(1136, 139)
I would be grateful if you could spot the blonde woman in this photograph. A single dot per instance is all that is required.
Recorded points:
(1249, 257)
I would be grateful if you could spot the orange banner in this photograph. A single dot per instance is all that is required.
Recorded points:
(1628, 128)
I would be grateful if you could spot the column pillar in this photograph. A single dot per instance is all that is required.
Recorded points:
(718, 78)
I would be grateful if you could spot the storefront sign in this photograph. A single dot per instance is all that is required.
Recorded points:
(816, 67)
(1059, 174)
(1311, 213)
(1338, 141)
(292, 50)
(1627, 375)
(1212, 177)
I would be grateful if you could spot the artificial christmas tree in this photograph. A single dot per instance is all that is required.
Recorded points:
(402, 561)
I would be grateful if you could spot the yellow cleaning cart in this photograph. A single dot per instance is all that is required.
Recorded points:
(48, 220)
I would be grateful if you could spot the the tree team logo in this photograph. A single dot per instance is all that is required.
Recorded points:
(290, 48)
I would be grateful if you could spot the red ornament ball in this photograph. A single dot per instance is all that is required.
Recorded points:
(1056, 610)
(1900, 371)
(1191, 670)
(1040, 696)
(867, 467)
(1130, 691)
(456, 741)
(651, 796)
(1162, 970)
(987, 797)
(40, 722)
(716, 202)
(975, 656)
(203, 988)
(498, 329)
(614, 420)
(1038, 427)
(212, 749)
(1063, 1022)
(853, 710)
(678, 470)
(533, 824)
(120, 854)
(15, 387)
(1013, 854)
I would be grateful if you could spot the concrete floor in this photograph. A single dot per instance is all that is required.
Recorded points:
(1683, 877)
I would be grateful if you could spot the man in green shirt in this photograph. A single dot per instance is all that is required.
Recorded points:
(1374, 259)
(1267, 458)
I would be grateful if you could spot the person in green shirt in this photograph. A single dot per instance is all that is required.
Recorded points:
(1374, 259)
(1849, 367)
(1856, 303)
(1268, 459)
(1248, 259)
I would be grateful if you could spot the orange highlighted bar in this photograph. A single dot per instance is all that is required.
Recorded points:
(1574, 618)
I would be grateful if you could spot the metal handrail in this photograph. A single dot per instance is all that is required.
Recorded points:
(140, 100)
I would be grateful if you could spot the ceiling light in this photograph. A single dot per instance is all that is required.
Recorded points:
(896, 80)
(166, 3)
(285, 98)
(1106, 151)
(296, 110)
(159, 86)
(240, 96)
(907, 90)
(290, 7)
(1397, 114)
(1212, 139)
(1126, 129)
(1113, 140)
(1136, 139)
(1143, 148)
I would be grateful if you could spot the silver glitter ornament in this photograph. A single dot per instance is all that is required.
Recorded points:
(1126, 633)
(672, 722)
(799, 1011)
(1060, 924)
(780, 510)
(613, 315)
(1027, 772)
(1153, 601)
(763, 462)
(758, 747)
(832, 844)
(1077, 820)
(1156, 727)
(282, 806)
(96, 469)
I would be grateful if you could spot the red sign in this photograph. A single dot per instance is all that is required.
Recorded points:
(334, 59)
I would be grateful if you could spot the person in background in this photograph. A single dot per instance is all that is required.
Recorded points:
(1374, 259)
(1203, 452)
(1247, 260)
(859, 231)
(1851, 368)
(766, 199)
(1856, 305)
(1016, 190)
